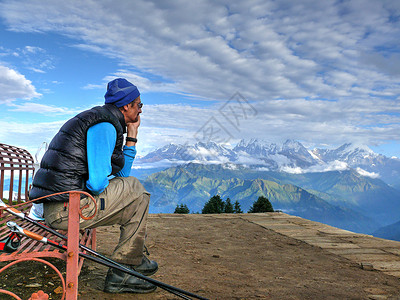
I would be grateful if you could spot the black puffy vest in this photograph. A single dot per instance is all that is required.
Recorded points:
(64, 165)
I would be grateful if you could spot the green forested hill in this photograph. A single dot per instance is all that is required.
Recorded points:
(194, 184)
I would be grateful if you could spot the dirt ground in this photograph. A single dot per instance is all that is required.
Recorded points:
(218, 258)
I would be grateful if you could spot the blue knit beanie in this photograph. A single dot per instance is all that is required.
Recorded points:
(121, 92)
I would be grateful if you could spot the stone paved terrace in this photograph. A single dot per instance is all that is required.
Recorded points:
(368, 251)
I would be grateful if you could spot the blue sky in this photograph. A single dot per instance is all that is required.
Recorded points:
(320, 72)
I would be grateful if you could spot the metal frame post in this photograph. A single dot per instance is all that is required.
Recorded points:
(73, 246)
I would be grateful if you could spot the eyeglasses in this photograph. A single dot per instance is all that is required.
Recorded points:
(140, 105)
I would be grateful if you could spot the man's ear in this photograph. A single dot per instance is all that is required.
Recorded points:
(124, 108)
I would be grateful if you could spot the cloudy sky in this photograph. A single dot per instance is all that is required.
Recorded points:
(320, 72)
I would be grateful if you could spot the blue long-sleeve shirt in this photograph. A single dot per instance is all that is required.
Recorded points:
(100, 140)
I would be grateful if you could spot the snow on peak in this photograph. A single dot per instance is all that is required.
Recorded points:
(292, 145)
(313, 155)
(352, 147)
(252, 143)
(291, 156)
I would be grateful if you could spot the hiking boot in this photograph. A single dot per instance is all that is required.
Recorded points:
(120, 282)
(147, 267)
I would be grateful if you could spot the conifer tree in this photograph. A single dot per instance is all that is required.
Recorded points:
(214, 206)
(236, 208)
(228, 206)
(261, 205)
(181, 209)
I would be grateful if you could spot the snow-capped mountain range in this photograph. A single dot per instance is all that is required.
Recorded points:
(291, 157)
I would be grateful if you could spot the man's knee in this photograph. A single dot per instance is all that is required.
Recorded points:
(133, 181)
(143, 202)
(137, 185)
(146, 198)
(136, 209)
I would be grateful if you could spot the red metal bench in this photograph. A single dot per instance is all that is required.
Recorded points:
(17, 165)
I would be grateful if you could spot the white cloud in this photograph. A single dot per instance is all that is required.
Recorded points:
(144, 83)
(343, 55)
(14, 85)
(331, 166)
(207, 156)
(267, 49)
(292, 170)
(176, 116)
(28, 136)
(248, 160)
(41, 109)
(33, 58)
(31, 49)
(307, 121)
(91, 86)
(36, 70)
(361, 121)
(366, 173)
(158, 164)
(329, 123)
